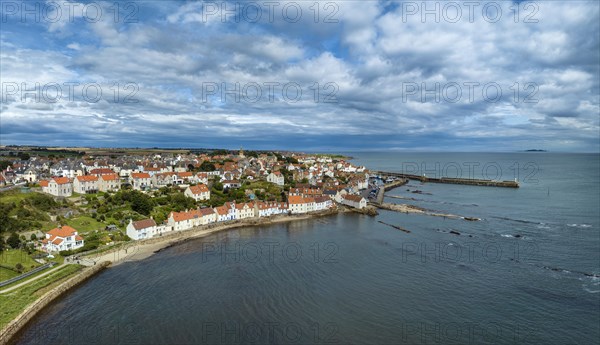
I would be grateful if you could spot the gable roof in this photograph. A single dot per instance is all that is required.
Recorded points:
(140, 175)
(198, 189)
(142, 224)
(63, 231)
(87, 178)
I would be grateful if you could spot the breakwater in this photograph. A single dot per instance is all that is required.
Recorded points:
(450, 180)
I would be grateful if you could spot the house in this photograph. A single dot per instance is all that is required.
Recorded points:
(57, 186)
(141, 229)
(276, 177)
(226, 212)
(62, 238)
(101, 171)
(323, 203)
(266, 208)
(180, 221)
(228, 184)
(198, 192)
(30, 175)
(108, 182)
(164, 179)
(355, 201)
(245, 210)
(298, 204)
(140, 181)
(85, 184)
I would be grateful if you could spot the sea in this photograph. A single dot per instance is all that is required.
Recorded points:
(528, 272)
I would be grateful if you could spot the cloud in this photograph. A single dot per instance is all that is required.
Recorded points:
(355, 63)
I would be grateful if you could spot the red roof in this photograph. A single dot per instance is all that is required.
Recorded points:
(44, 183)
(64, 231)
(109, 177)
(87, 178)
(142, 224)
(61, 180)
(101, 171)
(198, 189)
(140, 175)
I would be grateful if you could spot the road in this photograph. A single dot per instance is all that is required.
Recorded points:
(27, 281)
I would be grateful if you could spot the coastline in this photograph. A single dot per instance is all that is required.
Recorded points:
(142, 249)
(139, 250)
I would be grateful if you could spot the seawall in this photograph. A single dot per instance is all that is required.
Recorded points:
(16, 325)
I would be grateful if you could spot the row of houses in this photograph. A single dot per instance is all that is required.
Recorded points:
(65, 187)
(178, 221)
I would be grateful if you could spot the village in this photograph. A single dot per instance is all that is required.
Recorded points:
(202, 188)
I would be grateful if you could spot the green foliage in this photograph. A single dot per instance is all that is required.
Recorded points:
(5, 164)
(207, 166)
(13, 240)
(218, 186)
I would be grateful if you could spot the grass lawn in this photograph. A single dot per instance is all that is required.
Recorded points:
(6, 274)
(12, 257)
(12, 303)
(85, 224)
(13, 195)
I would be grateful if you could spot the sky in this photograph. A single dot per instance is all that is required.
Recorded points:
(302, 75)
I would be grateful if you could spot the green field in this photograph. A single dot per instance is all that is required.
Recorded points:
(85, 224)
(5, 273)
(13, 302)
(11, 257)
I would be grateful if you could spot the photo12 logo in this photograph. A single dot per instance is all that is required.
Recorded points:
(53, 92)
(271, 252)
(288, 12)
(526, 172)
(469, 11)
(270, 91)
(275, 332)
(469, 92)
(68, 12)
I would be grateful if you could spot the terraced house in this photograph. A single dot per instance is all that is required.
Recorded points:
(85, 184)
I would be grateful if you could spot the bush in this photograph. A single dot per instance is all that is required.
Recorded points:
(19, 267)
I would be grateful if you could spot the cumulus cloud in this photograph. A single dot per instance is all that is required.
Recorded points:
(188, 74)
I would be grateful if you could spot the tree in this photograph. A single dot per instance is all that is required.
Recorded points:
(1, 244)
(24, 156)
(4, 165)
(19, 267)
(33, 237)
(13, 240)
(207, 166)
(190, 167)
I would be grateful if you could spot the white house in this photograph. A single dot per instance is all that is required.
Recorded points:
(226, 212)
(62, 238)
(140, 181)
(85, 184)
(57, 186)
(198, 192)
(141, 229)
(323, 203)
(245, 210)
(298, 204)
(355, 201)
(108, 183)
(276, 177)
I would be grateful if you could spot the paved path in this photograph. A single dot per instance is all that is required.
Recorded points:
(27, 281)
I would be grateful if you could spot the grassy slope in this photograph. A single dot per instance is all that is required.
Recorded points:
(12, 303)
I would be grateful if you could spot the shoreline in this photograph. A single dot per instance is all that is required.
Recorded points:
(142, 249)
(136, 251)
